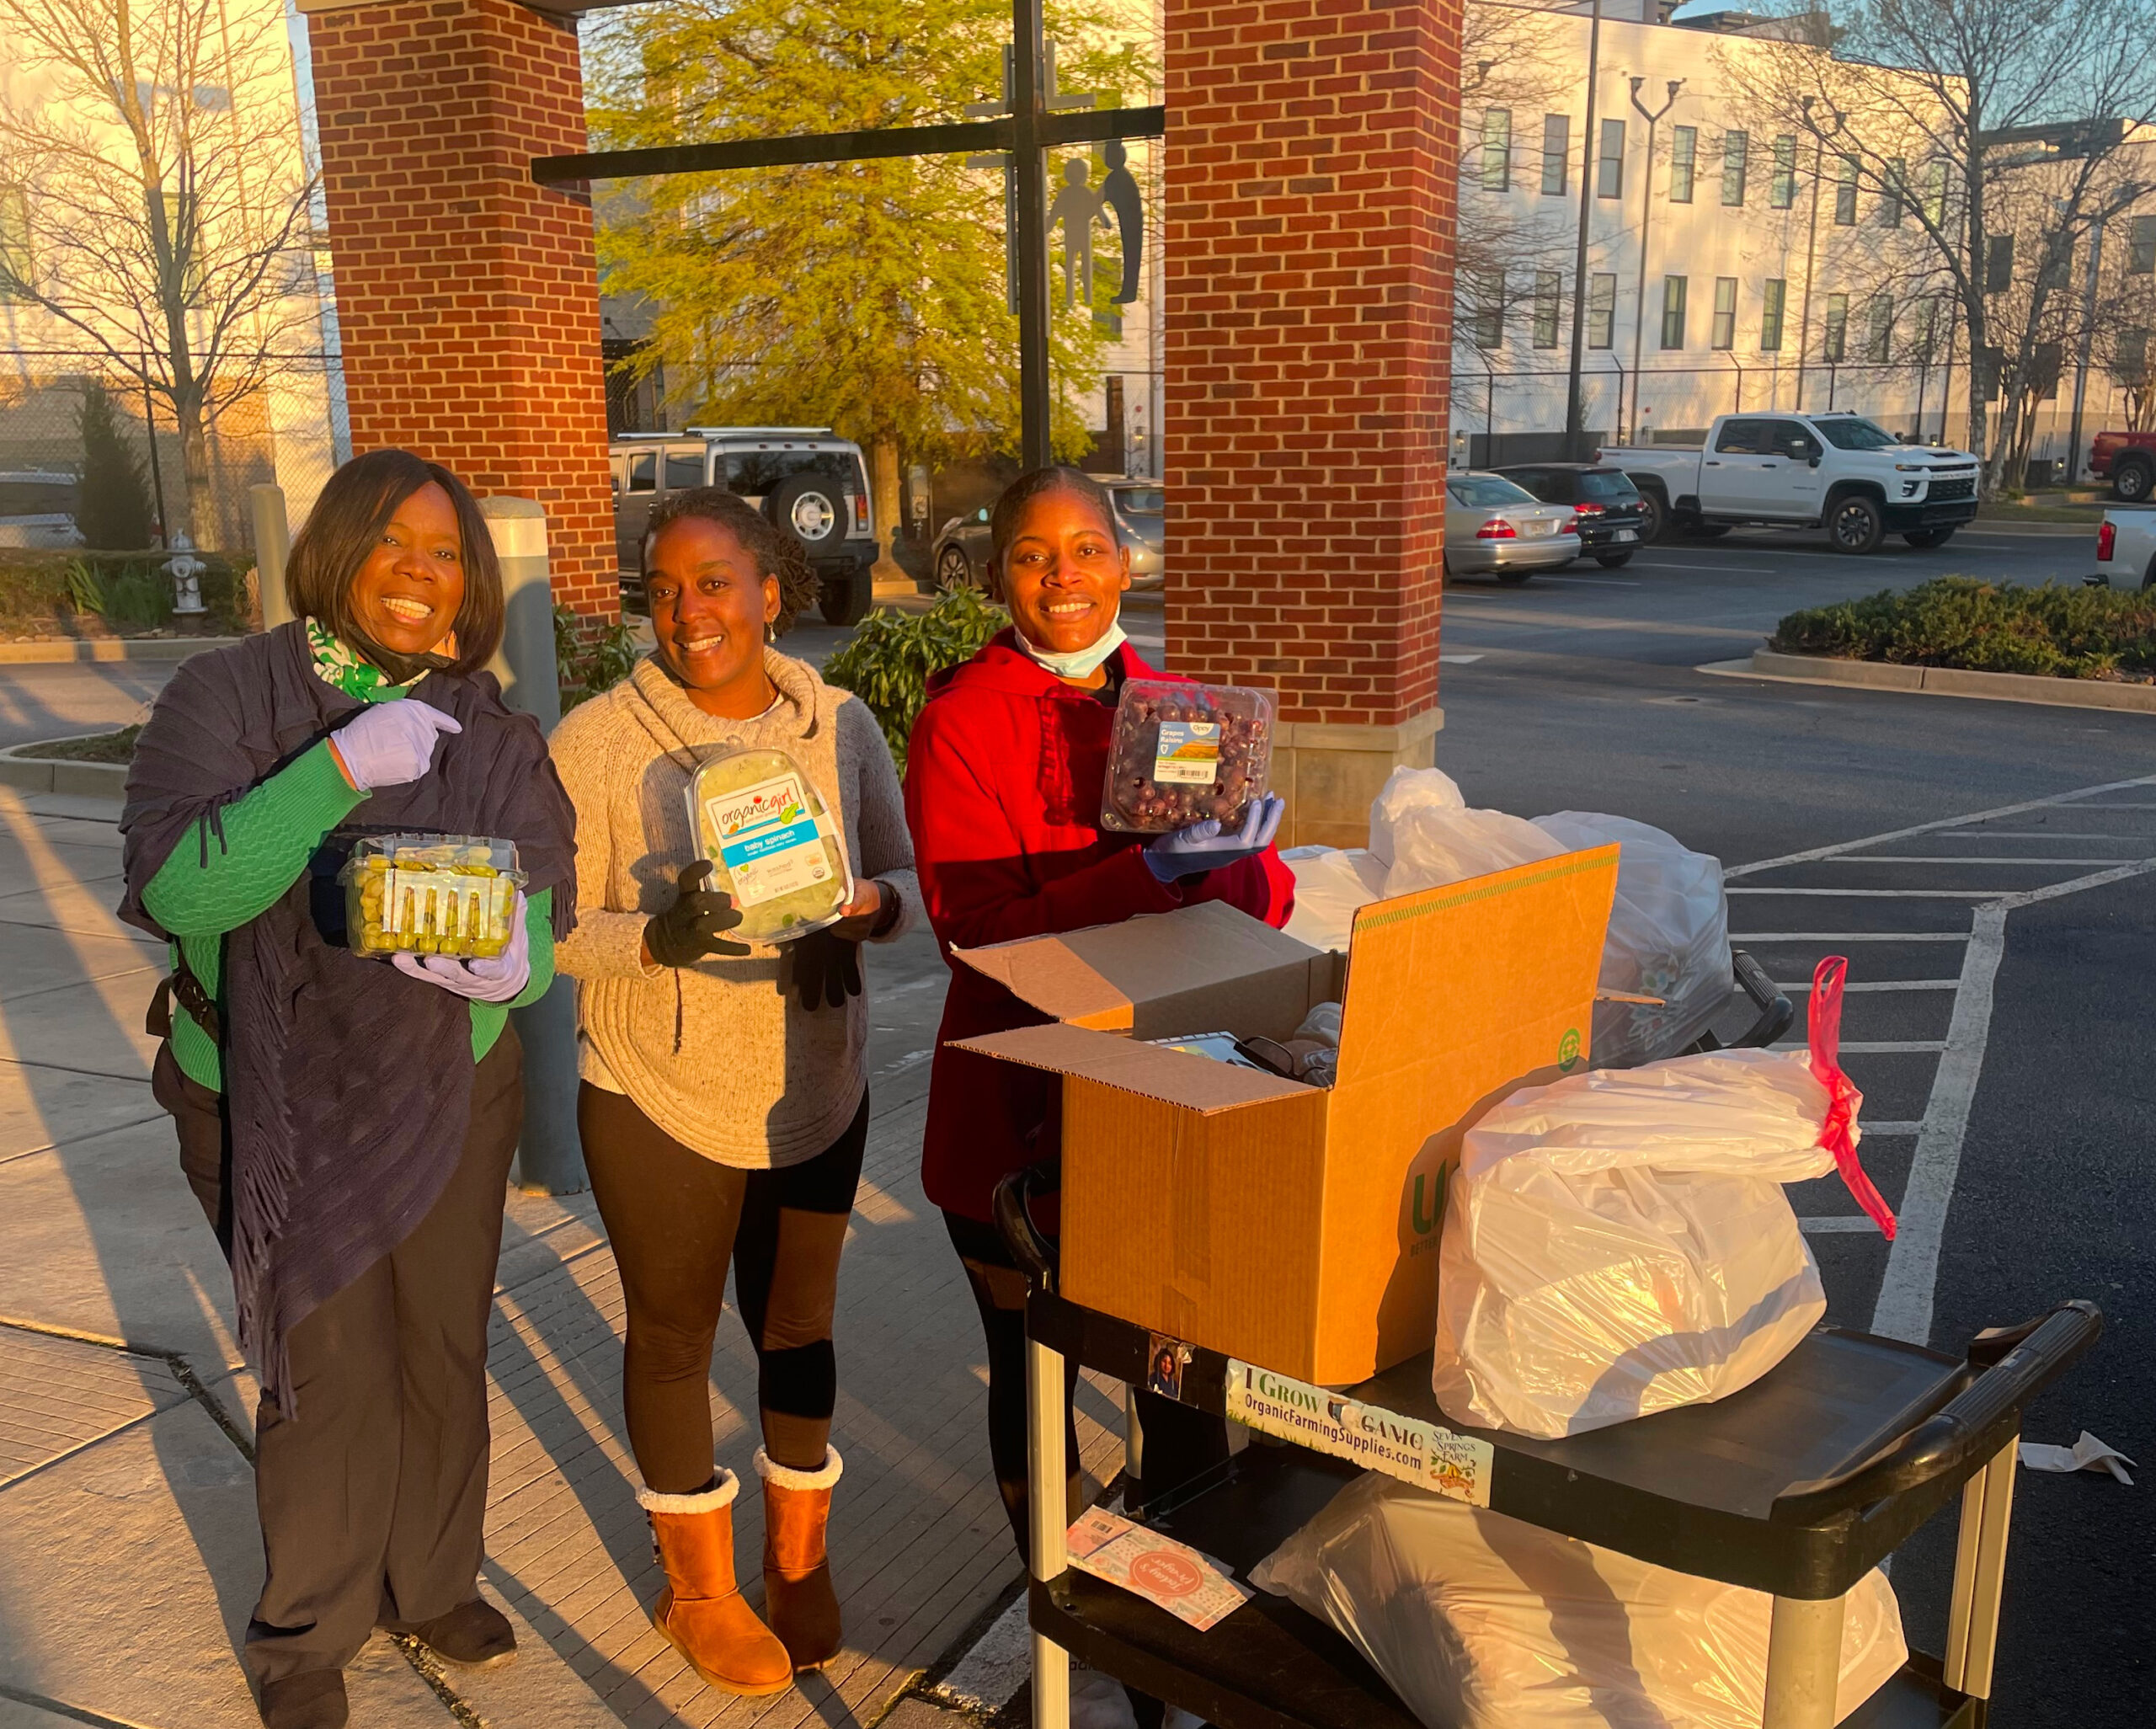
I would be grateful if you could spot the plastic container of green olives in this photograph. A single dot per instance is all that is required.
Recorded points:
(431, 894)
(773, 846)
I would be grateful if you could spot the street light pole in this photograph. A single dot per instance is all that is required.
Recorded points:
(1647, 210)
(1811, 237)
(1574, 402)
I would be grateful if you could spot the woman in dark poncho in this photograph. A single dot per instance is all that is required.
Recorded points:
(348, 1123)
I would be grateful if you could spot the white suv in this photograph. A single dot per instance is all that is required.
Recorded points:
(800, 477)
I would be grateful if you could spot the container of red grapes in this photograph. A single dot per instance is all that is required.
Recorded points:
(1184, 752)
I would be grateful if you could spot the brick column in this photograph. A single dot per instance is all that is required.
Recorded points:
(1310, 194)
(468, 296)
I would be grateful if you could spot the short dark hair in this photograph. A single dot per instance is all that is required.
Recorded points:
(777, 551)
(1034, 484)
(346, 524)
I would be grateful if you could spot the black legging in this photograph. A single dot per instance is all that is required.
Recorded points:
(674, 1218)
(1180, 1442)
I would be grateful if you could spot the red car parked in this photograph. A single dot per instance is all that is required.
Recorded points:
(2128, 461)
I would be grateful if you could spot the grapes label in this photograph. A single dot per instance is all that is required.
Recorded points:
(1188, 752)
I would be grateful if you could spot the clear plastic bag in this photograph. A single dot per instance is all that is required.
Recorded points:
(1480, 1621)
(759, 820)
(1424, 834)
(1668, 937)
(1330, 884)
(1618, 1242)
(431, 894)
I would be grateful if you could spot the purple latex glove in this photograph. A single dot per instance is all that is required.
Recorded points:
(388, 744)
(500, 980)
(1203, 847)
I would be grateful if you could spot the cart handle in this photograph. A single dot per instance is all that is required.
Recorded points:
(1776, 1011)
(1035, 1254)
(1961, 1434)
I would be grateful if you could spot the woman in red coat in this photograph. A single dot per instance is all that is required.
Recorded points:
(1003, 794)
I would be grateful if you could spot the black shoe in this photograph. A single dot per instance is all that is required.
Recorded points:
(473, 1635)
(311, 1701)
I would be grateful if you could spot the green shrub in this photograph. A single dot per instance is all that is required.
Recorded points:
(889, 661)
(590, 658)
(1983, 627)
(46, 590)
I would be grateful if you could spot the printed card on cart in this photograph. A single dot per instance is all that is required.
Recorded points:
(1190, 1586)
(1426, 1454)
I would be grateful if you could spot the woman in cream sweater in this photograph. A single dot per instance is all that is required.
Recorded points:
(724, 1102)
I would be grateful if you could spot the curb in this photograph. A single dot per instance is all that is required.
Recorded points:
(150, 648)
(49, 774)
(1939, 681)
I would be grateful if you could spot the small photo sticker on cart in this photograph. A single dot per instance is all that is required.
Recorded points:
(1166, 1359)
(1189, 1585)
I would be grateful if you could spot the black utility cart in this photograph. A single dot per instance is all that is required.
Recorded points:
(1797, 1487)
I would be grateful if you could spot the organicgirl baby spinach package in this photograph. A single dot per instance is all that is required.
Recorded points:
(775, 848)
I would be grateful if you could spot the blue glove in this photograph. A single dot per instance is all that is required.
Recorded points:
(1203, 847)
(501, 979)
(389, 744)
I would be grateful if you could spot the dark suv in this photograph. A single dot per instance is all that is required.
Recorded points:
(1612, 519)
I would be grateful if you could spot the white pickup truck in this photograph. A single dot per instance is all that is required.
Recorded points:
(2126, 550)
(1838, 472)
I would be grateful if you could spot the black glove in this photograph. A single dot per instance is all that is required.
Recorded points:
(824, 968)
(688, 931)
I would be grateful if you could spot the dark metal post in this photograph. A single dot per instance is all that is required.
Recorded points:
(1575, 405)
(1811, 243)
(157, 468)
(1646, 215)
(1036, 389)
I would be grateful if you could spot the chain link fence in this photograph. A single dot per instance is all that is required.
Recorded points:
(74, 472)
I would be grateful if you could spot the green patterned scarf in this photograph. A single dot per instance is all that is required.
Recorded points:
(337, 664)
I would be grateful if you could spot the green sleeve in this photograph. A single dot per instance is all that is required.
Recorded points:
(269, 835)
(539, 927)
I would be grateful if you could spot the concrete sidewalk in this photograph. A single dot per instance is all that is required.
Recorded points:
(129, 1557)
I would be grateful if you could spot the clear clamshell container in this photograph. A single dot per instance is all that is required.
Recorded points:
(774, 847)
(1183, 754)
(431, 894)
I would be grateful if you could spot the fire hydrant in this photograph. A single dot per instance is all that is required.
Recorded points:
(185, 570)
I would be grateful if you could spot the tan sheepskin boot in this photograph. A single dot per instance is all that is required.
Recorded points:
(797, 1593)
(702, 1611)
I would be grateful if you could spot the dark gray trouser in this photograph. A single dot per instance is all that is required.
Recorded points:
(372, 1499)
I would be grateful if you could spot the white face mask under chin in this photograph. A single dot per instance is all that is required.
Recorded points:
(1082, 663)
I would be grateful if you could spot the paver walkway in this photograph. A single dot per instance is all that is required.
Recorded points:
(129, 1557)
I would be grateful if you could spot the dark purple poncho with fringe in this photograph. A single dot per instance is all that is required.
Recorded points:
(347, 1084)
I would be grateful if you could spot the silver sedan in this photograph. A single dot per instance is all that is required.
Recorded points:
(1495, 528)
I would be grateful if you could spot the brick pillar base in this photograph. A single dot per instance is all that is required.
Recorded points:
(1311, 192)
(468, 296)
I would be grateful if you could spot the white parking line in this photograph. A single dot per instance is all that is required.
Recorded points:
(1874, 1047)
(1969, 859)
(1718, 569)
(1591, 582)
(1952, 822)
(1877, 893)
(1849, 935)
(1836, 1224)
(1886, 985)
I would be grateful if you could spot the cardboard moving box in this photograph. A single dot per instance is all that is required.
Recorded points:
(1292, 1226)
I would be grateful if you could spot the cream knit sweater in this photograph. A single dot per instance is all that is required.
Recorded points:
(714, 1054)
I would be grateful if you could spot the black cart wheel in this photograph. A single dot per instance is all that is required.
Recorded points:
(1855, 525)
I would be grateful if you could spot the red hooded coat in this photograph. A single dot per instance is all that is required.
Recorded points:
(1003, 793)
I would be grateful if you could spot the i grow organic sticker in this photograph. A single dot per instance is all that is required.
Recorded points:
(1426, 1454)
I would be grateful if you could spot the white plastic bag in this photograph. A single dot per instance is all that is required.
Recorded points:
(1330, 884)
(1668, 937)
(1618, 1242)
(1480, 1621)
(1423, 834)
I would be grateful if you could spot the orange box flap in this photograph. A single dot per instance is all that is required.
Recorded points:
(1152, 1071)
(1151, 974)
